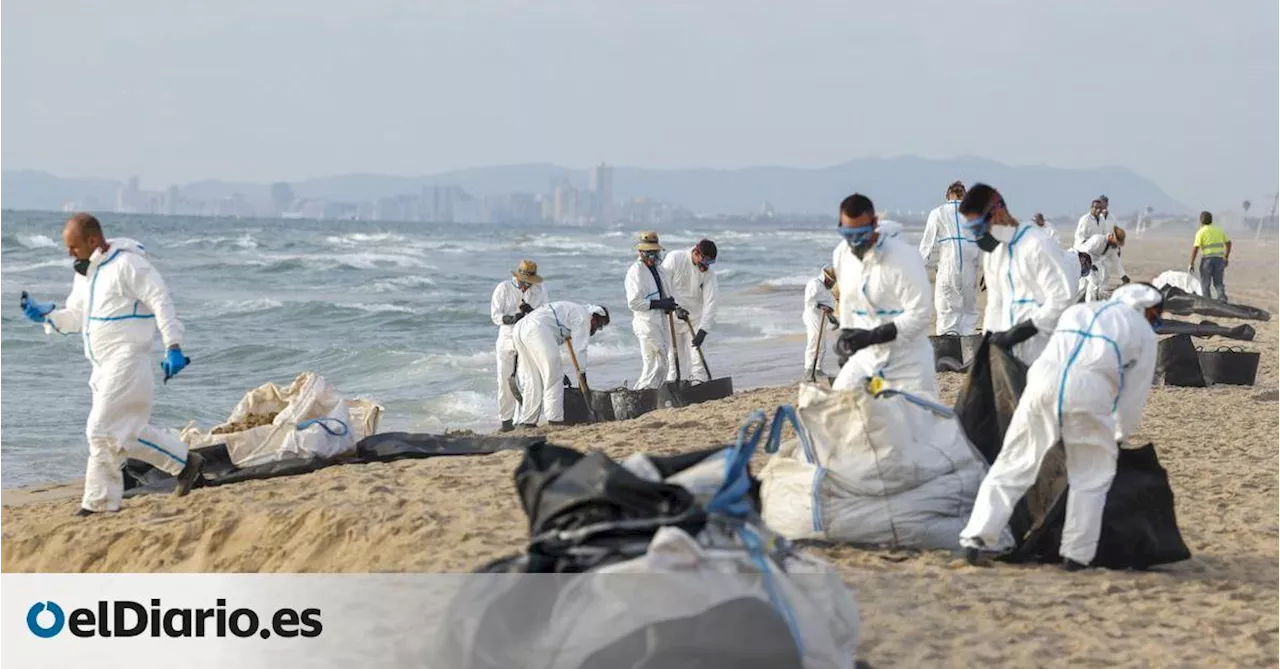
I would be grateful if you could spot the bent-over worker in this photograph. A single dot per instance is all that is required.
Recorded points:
(539, 338)
(1088, 389)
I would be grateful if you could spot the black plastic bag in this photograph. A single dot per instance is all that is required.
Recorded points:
(1242, 332)
(1182, 303)
(1178, 363)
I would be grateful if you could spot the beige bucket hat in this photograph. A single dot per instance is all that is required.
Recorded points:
(648, 241)
(527, 272)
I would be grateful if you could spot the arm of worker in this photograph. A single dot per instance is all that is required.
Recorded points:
(1195, 248)
(811, 290)
(710, 300)
(537, 296)
(1226, 260)
(930, 237)
(70, 317)
(911, 285)
(1137, 386)
(147, 286)
(637, 298)
(580, 333)
(1055, 288)
(498, 307)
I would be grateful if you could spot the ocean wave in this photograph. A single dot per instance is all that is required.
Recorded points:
(36, 241)
(790, 281)
(222, 308)
(64, 263)
(572, 246)
(460, 409)
(399, 283)
(245, 241)
(375, 308)
(359, 238)
(280, 262)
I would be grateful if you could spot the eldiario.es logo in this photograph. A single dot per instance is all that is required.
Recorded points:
(124, 618)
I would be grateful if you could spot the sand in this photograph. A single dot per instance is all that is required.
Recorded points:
(454, 514)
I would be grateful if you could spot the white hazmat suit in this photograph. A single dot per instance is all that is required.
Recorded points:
(888, 284)
(1088, 226)
(1028, 279)
(539, 338)
(697, 291)
(955, 294)
(1107, 268)
(1088, 389)
(506, 300)
(649, 325)
(117, 306)
(815, 321)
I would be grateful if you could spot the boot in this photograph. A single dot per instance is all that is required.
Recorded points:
(507, 426)
(190, 474)
(531, 426)
(556, 423)
(1071, 565)
(83, 512)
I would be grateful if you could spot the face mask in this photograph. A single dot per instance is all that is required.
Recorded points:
(1003, 233)
(82, 266)
(649, 257)
(1156, 323)
(988, 243)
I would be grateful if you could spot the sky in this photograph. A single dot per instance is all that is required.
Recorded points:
(1183, 92)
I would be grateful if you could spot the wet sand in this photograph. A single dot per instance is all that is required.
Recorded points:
(454, 514)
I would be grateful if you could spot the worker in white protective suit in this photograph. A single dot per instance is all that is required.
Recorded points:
(1104, 252)
(1087, 389)
(696, 289)
(955, 282)
(884, 307)
(118, 300)
(1044, 226)
(819, 314)
(513, 300)
(649, 298)
(1029, 283)
(1093, 223)
(539, 338)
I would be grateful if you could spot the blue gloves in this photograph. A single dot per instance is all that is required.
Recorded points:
(174, 362)
(36, 311)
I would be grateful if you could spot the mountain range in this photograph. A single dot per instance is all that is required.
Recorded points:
(893, 183)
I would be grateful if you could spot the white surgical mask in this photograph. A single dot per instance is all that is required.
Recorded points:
(1003, 233)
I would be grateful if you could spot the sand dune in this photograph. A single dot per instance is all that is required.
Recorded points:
(454, 514)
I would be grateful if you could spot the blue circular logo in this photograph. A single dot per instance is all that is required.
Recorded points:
(33, 619)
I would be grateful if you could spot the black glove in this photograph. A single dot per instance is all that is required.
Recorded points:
(512, 319)
(682, 313)
(582, 380)
(852, 341)
(667, 304)
(567, 382)
(831, 318)
(1124, 279)
(525, 308)
(700, 337)
(824, 308)
(1012, 337)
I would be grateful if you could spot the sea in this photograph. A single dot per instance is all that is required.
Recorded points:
(394, 312)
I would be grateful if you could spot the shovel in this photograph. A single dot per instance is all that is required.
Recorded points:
(684, 317)
(514, 383)
(582, 380)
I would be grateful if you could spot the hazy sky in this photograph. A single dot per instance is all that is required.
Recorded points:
(1183, 92)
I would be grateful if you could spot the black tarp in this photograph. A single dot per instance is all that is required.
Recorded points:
(1242, 332)
(1139, 528)
(141, 478)
(1182, 303)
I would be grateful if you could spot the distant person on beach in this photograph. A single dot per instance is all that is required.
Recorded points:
(118, 300)
(955, 295)
(1090, 224)
(695, 286)
(1214, 247)
(1104, 254)
(1028, 284)
(1041, 223)
(512, 300)
(649, 298)
(885, 305)
(538, 340)
(1088, 390)
(819, 312)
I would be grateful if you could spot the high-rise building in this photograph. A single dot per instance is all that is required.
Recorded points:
(602, 191)
(128, 197)
(566, 202)
(172, 200)
(281, 197)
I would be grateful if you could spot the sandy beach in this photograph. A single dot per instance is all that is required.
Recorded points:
(454, 514)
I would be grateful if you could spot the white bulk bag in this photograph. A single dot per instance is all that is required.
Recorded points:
(870, 470)
(1184, 281)
(312, 421)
